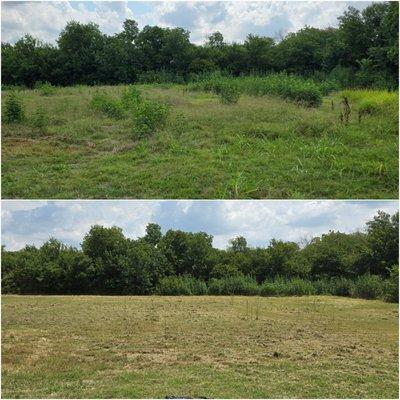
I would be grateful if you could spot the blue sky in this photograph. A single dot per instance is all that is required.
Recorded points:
(235, 19)
(33, 222)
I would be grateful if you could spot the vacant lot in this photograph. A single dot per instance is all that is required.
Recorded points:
(261, 147)
(82, 346)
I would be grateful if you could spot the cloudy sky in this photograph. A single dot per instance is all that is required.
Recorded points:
(33, 222)
(235, 19)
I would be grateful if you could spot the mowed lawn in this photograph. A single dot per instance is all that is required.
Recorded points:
(229, 347)
(262, 147)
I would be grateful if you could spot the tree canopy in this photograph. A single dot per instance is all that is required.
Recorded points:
(110, 263)
(363, 48)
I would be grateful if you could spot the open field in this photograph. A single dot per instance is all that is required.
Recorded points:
(261, 147)
(83, 346)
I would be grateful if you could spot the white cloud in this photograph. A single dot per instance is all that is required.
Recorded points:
(235, 19)
(33, 222)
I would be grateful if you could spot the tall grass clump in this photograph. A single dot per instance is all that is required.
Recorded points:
(181, 286)
(290, 87)
(149, 117)
(368, 287)
(105, 104)
(372, 102)
(392, 285)
(13, 108)
(287, 287)
(40, 119)
(45, 88)
(234, 285)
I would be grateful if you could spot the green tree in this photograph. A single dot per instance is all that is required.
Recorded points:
(383, 241)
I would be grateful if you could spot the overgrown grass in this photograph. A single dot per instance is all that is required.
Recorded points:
(300, 90)
(213, 347)
(261, 147)
(371, 102)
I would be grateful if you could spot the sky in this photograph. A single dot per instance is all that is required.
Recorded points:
(234, 19)
(35, 221)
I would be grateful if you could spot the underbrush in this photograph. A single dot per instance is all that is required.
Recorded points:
(13, 110)
(147, 116)
(181, 286)
(303, 91)
(372, 102)
(105, 104)
(364, 287)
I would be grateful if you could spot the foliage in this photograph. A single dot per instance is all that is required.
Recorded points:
(149, 117)
(234, 285)
(368, 287)
(229, 94)
(13, 108)
(287, 287)
(40, 119)
(181, 286)
(105, 104)
(131, 97)
(185, 263)
(45, 88)
(297, 89)
(361, 51)
(392, 285)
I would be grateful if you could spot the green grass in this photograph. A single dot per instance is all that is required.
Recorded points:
(261, 147)
(215, 347)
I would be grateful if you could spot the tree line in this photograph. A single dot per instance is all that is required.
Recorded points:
(110, 263)
(362, 51)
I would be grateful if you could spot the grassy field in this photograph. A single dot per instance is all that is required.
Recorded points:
(262, 147)
(229, 347)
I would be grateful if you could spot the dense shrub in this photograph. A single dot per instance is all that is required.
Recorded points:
(368, 287)
(222, 271)
(341, 286)
(300, 90)
(131, 97)
(239, 285)
(40, 119)
(287, 287)
(322, 286)
(297, 287)
(229, 94)
(105, 104)
(181, 286)
(45, 88)
(13, 108)
(392, 285)
(149, 116)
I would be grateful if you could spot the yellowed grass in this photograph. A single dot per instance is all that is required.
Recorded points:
(95, 346)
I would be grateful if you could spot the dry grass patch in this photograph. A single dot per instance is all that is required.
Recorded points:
(97, 346)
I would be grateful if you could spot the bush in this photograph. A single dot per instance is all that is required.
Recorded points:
(149, 117)
(40, 119)
(297, 287)
(229, 94)
(322, 286)
(222, 271)
(107, 105)
(269, 288)
(45, 88)
(287, 287)
(13, 108)
(300, 90)
(181, 286)
(239, 285)
(392, 285)
(341, 286)
(368, 287)
(130, 97)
